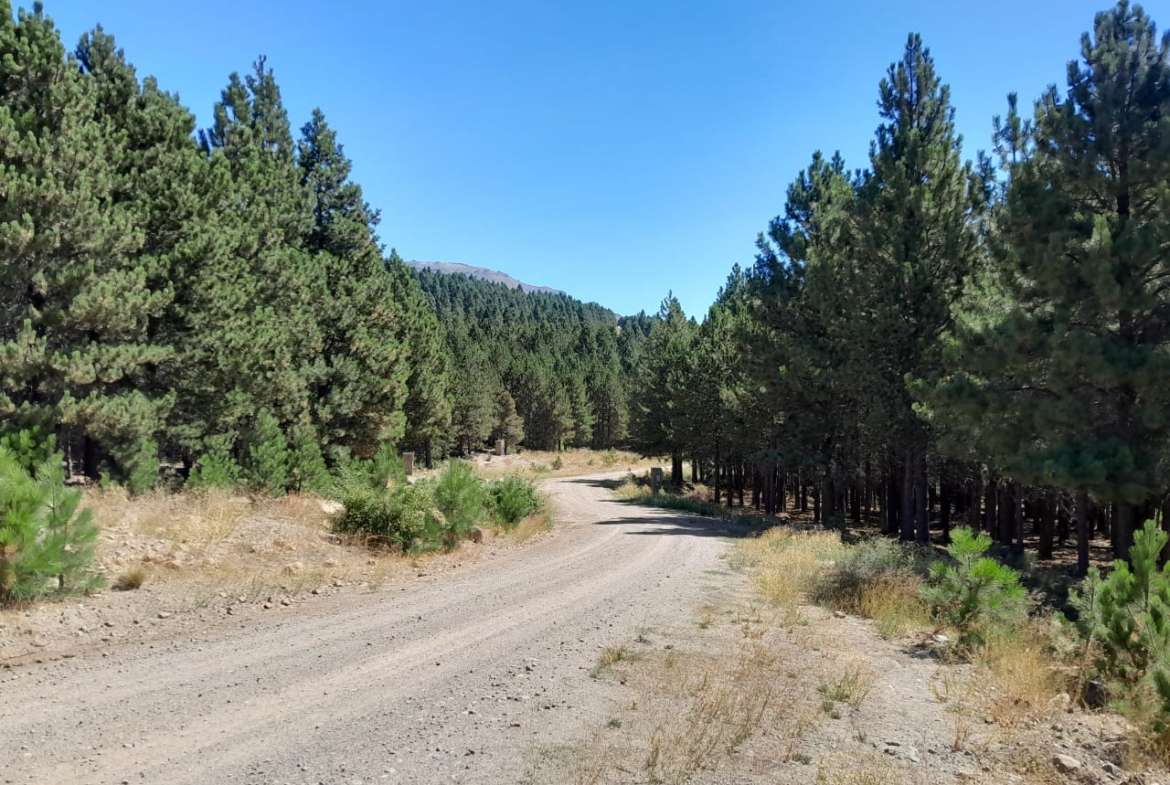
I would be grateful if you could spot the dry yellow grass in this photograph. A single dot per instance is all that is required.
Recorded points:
(567, 463)
(221, 541)
(896, 607)
(629, 489)
(871, 770)
(850, 686)
(531, 526)
(1023, 681)
(786, 563)
(717, 704)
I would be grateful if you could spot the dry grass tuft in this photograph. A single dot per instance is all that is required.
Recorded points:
(130, 580)
(871, 770)
(718, 703)
(896, 607)
(1023, 684)
(610, 656)
(629, 489)
(786, 564)
(537, 523)
(852, 686)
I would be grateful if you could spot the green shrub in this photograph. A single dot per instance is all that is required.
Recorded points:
(268, 456)
(975, 594)
(402, 516)
(31, 447)
(215, 469)
(382, 470)
(865, 565)
(140, 467)
(307, 464)
(459, 494)
(513, 499)
(46, 542)
(1127, 616)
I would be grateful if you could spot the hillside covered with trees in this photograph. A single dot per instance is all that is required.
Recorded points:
(174, 295)
(927, 339)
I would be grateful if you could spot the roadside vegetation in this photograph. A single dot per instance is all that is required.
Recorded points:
(49, 532)
(1105, 650)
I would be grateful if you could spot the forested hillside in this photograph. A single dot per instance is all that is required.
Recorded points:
(926, 339)
(183, 296)
(940, 341)
(540, 368)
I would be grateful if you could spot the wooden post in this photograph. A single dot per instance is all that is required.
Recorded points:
(408, 463)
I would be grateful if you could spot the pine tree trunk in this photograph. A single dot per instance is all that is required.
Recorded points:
(1017, 518)
(922, 497)
(973, 510)
(1081, 516)
(1123, 529)
(1047, 510)
(906, 531)
(944, 513)
(676, 470)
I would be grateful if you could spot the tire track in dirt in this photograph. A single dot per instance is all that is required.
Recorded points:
(398, 685)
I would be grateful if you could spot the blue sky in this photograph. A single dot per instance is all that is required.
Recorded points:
(615, 150)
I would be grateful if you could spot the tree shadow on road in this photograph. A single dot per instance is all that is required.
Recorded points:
(681, 523)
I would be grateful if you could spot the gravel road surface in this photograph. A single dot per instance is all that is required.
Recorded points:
(456, 678)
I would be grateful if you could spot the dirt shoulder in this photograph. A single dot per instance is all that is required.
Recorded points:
(445, 677)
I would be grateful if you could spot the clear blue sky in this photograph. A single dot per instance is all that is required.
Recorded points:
(614, 150)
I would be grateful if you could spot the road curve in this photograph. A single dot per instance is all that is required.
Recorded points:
(452, 679)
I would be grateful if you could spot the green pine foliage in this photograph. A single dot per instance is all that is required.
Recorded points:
(268, 464)
(216, 468)
(308, 471)
(514, 498)
(460, 496)
(1126, 618)
(46, 541)
(974, 593)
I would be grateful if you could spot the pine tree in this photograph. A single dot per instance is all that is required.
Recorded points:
(918, 211)
(658, 416)
(509, 425)
(77, 295)
(1067, 386)
(307, 468)
(251, 337)
(359, 395)
(428, 401)
(269, 459)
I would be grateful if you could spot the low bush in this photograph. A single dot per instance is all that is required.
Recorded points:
(215, 469)
(1125, 619)
(46, 541)
(513, 499)
(879, 579)
(131, 580)
(788, 565)
(973, 593)
(461, 497)
(402, 516)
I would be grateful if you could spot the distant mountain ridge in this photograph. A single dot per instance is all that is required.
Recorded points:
(484, 274)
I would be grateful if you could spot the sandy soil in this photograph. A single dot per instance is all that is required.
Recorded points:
(447, 678)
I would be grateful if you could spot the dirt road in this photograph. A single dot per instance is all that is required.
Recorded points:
(451, 679)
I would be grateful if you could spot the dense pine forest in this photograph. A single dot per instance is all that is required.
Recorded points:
(933, 340)
(174, 296)
(921, 341)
